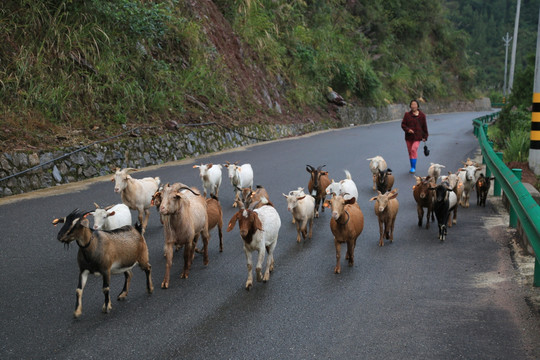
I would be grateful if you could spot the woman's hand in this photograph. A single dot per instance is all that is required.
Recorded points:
(410, 131)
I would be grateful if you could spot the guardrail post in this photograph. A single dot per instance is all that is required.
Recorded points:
(497, 184)
(536, 281)
(513, 215)
(488, 171)
(485, 126)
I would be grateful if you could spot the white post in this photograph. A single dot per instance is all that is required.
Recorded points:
(514, 45)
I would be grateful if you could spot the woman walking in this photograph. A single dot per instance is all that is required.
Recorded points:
(414, 125)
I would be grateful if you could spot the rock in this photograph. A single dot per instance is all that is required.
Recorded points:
(56, 174)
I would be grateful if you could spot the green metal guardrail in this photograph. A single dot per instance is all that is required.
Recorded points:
(522, 204)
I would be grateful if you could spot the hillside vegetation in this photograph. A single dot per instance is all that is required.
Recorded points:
(72, 71)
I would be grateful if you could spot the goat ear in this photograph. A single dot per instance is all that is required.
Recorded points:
(326, 204)
(373, 198)
(257, 222)
(300, 198)
(85, 223)
(111, 213)
(209, 165)
(284, 195)
(232, 222)
(351, 201)
(393, 194)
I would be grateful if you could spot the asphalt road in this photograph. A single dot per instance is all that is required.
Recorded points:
(417, 298)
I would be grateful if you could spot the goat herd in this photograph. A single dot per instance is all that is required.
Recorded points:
(114, 246)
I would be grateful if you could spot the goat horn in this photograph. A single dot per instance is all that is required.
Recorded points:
(97, 206)
(187, 188)
(310, 167)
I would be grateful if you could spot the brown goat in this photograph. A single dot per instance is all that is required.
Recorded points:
(385, 180)
(105, 253)
(250, 196)
(215, 218)
(386, 209)
(347, 223)
(317, 185)
(185, 218)
(424, 199)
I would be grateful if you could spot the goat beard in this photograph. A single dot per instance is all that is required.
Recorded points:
(66, 246)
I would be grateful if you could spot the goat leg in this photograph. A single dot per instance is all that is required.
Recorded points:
(168, 264)
(258, 269)
(148, 271)
(145, 223)
(188, 256)
(337, 269)
(381, 234)
(220, 234)
(107, 306)
(205, 239)
(127, 275)
(420, 211)
(350, 252)
(249, 281)
(83, 276)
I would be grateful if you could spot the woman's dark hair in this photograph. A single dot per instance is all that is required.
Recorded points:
(416, 101)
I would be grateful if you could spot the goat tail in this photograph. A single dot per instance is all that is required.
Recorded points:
(348, 175)
(138, 227)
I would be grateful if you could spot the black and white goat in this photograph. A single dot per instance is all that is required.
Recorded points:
(444, 202)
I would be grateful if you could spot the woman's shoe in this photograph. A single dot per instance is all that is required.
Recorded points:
(413, 166)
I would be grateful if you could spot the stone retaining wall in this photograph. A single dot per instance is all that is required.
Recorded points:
(50, 168)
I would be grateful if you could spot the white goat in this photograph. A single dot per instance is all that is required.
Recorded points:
(297, 192)
(240, 177)
(211, 178)
(112, 217)
(435, 172)
(467, 176)
(375, 164)
(136, 193)
(259, 230)
(345, 186)
(302, 209)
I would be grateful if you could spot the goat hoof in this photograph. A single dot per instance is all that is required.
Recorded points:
(248, 285)
(106, 308)
(122, 296)
(77, 314)
(165, 285)
(259, 274)
(337, 270)
(266, 277)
